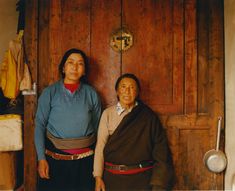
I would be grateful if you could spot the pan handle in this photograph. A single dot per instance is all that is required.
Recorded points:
(218, 133)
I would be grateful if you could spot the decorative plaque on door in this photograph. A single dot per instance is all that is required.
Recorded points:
(121, 40)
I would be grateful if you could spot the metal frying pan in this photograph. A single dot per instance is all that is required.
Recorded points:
(215, 160)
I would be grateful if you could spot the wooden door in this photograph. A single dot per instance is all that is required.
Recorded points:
(177, 54)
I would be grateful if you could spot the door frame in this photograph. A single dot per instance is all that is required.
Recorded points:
(229, 27)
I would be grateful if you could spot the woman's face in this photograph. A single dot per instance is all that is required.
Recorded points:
(74, 68)
(127, 92)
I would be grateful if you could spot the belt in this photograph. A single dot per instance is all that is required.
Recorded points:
(71, 143)
(58, 156)
(128, 169)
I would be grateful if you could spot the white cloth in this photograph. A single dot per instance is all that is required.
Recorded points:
(10, 133)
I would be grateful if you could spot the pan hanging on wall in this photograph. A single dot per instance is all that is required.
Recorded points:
(215, 160)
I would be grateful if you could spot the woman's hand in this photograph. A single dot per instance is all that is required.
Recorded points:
(99, 184)
(43, 169)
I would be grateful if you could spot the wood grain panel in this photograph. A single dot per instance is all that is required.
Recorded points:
(216, 71)
(60, 31)
(203, 48)
(203, 81)
(75, 25)
(55, 37)
(30, 102)
(210, 58)
(190, 57)
(9, 165)
(44, 64)
(216, 59)
(193, 145)
(105, 62)
(156, 35)
(190, 137)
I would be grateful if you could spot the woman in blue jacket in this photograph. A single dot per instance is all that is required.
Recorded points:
(67, 118)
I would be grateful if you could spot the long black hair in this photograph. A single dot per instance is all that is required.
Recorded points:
(132, 76)
(65, 57)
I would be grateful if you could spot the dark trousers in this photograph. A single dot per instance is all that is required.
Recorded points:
(68, 175)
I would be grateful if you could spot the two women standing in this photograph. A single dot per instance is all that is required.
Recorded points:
(131, 152)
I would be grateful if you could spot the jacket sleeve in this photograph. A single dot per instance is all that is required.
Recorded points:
(163, 171)
(96, 112)
(41, 120)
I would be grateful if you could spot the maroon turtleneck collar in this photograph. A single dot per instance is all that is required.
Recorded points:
(71, 87)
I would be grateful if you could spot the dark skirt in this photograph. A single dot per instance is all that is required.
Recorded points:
(68, 175)
(132, 182)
